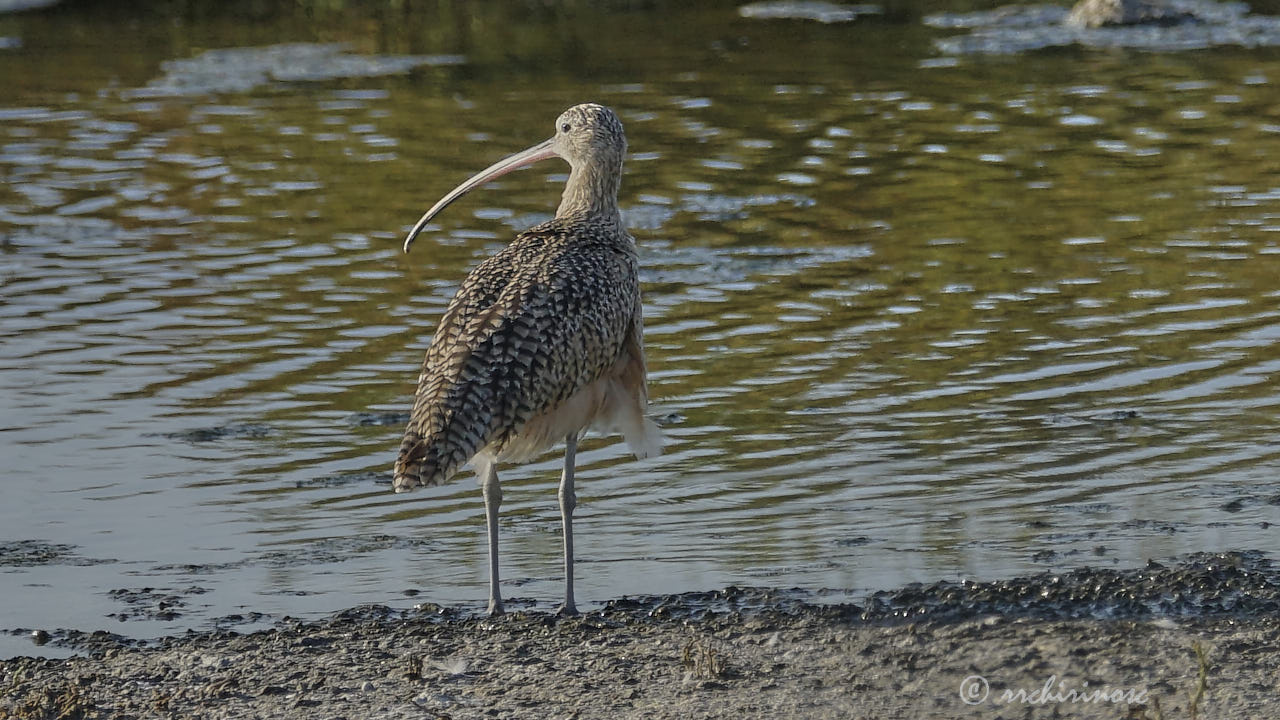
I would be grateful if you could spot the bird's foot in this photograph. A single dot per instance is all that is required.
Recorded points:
(567, 610)
(495, 608)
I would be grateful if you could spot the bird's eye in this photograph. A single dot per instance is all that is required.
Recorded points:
(565, 127)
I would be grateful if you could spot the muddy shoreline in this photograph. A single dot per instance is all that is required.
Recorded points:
(1196, 638)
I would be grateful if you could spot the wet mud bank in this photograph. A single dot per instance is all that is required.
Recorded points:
(1199, 637)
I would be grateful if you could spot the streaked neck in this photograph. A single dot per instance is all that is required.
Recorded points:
(592, 191)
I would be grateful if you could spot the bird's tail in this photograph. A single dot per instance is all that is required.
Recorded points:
(417, 465)
(644, 438)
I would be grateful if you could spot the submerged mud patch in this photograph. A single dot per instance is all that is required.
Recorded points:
(814, 10)
(1024, 28)
(336, 550)
(233, 431)
(153, 603)
(235, 70)
(13, 6)
(316, 552)
(344, 479)
(30, 553)
(368, 419)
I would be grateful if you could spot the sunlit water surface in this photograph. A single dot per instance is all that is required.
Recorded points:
(909, 317)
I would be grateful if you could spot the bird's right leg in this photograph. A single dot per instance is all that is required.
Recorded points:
(568, 501)
(492, 499)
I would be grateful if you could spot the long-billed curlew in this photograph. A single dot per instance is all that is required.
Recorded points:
(543, 340)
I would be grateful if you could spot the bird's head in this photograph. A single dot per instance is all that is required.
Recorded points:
(588, 136)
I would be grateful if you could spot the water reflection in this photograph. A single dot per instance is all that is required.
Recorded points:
(905, 323)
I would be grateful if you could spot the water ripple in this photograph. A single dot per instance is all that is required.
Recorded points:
(899, 328)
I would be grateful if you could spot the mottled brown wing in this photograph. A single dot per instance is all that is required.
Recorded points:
(501, 356)
(425, 456)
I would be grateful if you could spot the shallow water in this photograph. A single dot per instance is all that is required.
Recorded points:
(910, 317)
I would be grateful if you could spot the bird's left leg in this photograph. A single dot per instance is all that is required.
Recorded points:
(492, 500)
(568, 501)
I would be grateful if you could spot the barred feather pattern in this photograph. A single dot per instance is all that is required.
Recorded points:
(529, 328)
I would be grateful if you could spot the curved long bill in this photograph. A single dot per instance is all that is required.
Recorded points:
(541, 151)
